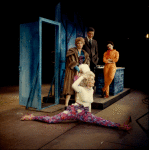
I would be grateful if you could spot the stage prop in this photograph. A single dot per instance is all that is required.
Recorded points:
(117, 84)
(30, 67)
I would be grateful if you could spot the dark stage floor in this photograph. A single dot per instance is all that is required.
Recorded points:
(16, 134)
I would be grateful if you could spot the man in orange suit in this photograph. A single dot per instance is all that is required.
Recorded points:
(110, 58)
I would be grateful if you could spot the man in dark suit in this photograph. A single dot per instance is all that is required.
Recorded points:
(91, 47)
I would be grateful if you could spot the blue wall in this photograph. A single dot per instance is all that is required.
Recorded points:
(70, 30)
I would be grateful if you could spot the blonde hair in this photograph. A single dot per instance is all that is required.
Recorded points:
(89, 74)
(79, 39)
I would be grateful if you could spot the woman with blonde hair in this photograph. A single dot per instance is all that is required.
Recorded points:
(75, 56)
(81, 110)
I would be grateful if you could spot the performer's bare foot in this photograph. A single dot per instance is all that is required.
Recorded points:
(27, 117)
(126, 125)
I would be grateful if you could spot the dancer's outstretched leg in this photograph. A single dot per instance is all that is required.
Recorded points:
(100, 121)
(66, 115)
(69, 114)
(88, 117)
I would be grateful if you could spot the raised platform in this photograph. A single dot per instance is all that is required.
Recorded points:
(99, 103)
(117, 84)
(102, 103)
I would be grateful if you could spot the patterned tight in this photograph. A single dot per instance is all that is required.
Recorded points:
(78, 112)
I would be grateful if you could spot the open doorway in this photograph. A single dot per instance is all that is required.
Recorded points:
(39, 62)
(48, 64)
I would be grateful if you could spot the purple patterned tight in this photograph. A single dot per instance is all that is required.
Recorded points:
(77, 112)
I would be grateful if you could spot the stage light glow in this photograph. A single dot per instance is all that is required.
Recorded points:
(147, 36)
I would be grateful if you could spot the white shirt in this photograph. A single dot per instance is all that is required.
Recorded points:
(84, 95)
(89, 39)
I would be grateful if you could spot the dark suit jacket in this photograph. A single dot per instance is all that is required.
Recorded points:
(93, 51)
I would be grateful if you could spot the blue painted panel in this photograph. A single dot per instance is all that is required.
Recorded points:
(85, 33)
(117, 84)
(79, 31)
(71, 34)
(79, 23)
(29, 61)
(49, 21)
(62, 57)
(62, 19)
(57, 52)
(58, 12)
(57, 62)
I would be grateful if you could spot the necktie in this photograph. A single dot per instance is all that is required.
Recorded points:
(90, 43)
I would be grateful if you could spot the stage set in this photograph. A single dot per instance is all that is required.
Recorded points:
(34, 42)
(41, 38)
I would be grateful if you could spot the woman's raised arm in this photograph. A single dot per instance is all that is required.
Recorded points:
(76, 86)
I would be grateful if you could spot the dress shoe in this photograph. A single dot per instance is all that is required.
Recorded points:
(103, 94)
(106, 96)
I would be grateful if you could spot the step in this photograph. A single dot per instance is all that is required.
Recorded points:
(99, 103)
(102, 103)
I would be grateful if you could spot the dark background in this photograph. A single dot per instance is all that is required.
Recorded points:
(125, 23)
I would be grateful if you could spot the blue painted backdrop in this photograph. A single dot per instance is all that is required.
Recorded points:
(30, 78)
(69, 32)
(30, 74)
